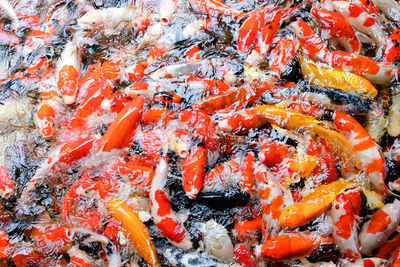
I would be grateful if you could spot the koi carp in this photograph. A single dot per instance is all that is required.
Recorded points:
(163, 216)
(291, 245)
(378, 229)
(47, 113)
(361, 20)
(137, 231)
(216, 8)
(312, 205)
(68, 68)
(338, 28)
(193, 171)
(345, 227)
(367, 153)
(122, 129)
(321, 75)
(271, 200)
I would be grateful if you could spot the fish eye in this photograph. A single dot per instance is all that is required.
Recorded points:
(300, 33)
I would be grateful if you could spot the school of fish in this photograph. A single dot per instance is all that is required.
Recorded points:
(199, 133)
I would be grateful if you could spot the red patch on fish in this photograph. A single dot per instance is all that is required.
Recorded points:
(379, 222)
(369, 22)
(171, 229)
(355, 10)
(164, 209)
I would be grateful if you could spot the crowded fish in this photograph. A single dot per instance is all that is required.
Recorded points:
(199, 133)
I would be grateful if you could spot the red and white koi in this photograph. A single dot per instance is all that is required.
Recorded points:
(71, 195)
(312, 46)
(158, 115)
(89, 106)
(100, 189)
(136, 172)
(67, 73)
(150, 141)
(378, 229)
(361, 20)
(345, 227)
(338, 28)
(157, 52)
(368, 6)
(271, 200)
(200, 126)
(354, 196)
(368, 154)
(152, 34)
(32, 21)
(47, 113)
(163, 216)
